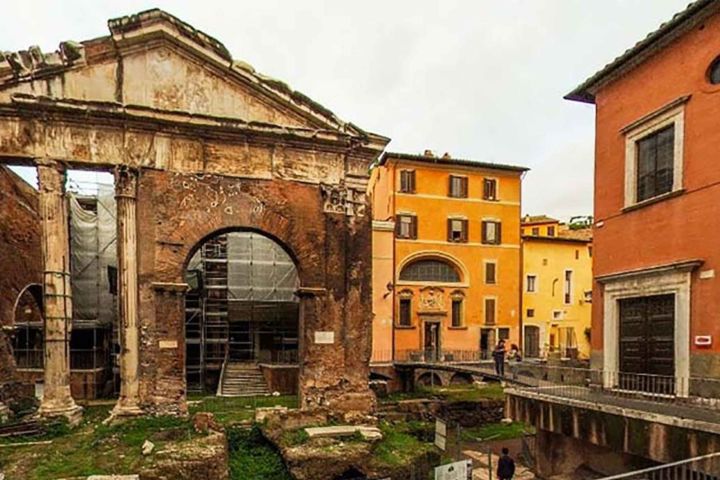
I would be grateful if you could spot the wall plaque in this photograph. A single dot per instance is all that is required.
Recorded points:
(166, 344)
(325, 337)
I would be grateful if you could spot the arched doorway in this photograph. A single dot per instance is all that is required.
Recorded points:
(28, 333)
(241, 307)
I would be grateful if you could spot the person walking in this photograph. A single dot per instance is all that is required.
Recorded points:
(499, 357)
(506, 466)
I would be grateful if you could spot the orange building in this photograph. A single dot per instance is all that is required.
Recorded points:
(656, 294)
(446, 256)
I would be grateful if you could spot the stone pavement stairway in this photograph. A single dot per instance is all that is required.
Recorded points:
(481, 470)
(242, 380)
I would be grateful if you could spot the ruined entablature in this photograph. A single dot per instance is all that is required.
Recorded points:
(33, 61)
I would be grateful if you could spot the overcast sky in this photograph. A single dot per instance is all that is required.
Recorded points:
(480, 79)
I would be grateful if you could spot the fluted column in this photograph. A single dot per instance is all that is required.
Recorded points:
(57, 293)
(129, 334)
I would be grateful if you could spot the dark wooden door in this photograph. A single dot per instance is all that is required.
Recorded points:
(432, 342)
(647, 335)
(532, 341)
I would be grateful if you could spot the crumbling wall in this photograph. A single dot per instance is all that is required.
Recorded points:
(20, 256)
(177, 212)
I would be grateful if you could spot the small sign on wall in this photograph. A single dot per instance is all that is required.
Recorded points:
(703, 340)
(325, 338)
(168, 344)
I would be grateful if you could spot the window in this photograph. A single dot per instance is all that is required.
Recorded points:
(654, 154)
(557, 314)
(457, 312)
(405, 313)
(530, 313)
(458, 186)
(457, 230)
(590, 251)
(536, 231)
(655, 163)
(577, 254)
(491, 232)
(503, 333)
(714, 72)
(551, 231)
(490, 273)
(407, 181)
(430, 271)
(489, 189)
(406, 226)
(490, 311)
(531, 283)
(567, 290)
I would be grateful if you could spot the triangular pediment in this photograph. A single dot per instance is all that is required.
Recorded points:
(154, 60)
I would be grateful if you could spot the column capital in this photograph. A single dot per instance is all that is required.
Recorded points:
(126, 182)
(51, 175)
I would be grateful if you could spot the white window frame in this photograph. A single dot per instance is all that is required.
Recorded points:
(671, 114)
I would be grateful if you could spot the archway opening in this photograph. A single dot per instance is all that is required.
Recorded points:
(28, 334)
(241, 307)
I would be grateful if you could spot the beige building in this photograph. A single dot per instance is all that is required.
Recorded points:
(557, 287)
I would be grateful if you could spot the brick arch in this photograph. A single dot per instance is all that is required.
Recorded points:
(193, 208)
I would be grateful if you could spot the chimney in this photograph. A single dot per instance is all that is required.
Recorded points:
(446, 156)
(429, 153)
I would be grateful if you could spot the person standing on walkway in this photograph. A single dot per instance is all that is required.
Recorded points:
(499, 357)
(506, 466)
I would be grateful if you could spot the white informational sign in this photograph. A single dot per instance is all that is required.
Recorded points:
(168, 344)
(326, 338)
(440, 434)
(461, 470)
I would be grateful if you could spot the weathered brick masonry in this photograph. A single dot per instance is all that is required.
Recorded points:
(200, 145)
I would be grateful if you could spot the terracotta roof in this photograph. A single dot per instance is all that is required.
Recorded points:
(680, 23)
(447, 160)
(537, 219)
(577, 234)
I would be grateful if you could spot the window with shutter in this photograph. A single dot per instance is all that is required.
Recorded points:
(407, 181)
(405, 312)
(551, 231)
(567, 290)
(490, 272)
(458, 186)
(457, 230)
(490, 311)
(489, 189)
(457, 313)
(491, 232)
(406, 226)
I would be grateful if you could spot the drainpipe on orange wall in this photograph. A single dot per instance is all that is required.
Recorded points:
(521, 269)
(392, 189)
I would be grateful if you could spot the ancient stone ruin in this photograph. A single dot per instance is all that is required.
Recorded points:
(203, 150)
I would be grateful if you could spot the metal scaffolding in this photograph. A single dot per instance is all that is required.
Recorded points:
(241, 306)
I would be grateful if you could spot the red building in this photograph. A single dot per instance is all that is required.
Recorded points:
(656, 293)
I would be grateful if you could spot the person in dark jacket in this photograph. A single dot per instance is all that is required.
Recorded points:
(499, 357)
(506, 466)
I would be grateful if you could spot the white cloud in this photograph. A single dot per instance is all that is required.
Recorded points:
(481, 79)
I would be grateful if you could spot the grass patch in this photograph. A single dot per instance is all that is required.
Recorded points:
(294, 438)
(495, 431)
(459, 393)
(399, 446)
(232, 410)
(252, 457)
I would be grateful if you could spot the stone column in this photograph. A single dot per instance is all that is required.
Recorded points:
(129, 334)
(57, 293)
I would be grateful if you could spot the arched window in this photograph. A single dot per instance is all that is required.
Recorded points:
(714, 72)
(430, 270)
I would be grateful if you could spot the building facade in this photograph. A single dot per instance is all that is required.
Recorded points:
(557, 288)
(657, 200)
(446, 256)
(201, 147)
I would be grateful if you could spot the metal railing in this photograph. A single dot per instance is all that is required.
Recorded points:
(29, 358)
(588, 384)
(442, 356)
(706, 467)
